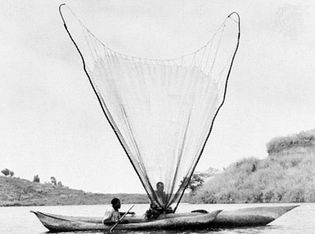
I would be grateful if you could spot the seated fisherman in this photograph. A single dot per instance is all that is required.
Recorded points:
(160, 192)
(155, 210)
(162, 197)
(112, 215)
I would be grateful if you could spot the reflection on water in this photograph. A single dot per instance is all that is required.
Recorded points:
(256, 230)
(20, 220)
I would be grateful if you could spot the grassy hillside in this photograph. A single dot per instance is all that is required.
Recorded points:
(286, 175)
(21, 192)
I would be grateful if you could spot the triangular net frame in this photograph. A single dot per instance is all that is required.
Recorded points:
(162, 111)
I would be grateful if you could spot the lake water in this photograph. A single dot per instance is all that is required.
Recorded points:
(20, 220)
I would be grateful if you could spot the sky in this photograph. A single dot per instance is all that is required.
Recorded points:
(51, 123)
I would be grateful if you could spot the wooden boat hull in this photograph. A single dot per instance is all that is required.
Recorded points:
(256, 216)
(57, 223)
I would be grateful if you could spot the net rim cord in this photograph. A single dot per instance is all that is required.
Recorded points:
(223, 100)
(126, 56)
(100, 102)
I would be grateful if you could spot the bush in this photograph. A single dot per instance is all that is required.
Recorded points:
(198, 179)
(195, 182)
(279, 144)
(36, 179)
(53, 180)
(6, 172)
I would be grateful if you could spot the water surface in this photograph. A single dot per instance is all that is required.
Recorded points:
(20, 220)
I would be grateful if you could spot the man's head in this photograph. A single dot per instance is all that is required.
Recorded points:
(160, 186)
(115, 203)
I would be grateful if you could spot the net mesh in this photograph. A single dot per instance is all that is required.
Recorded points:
(162, 111)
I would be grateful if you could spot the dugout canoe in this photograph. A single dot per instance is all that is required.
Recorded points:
(253, 216)
(245, 217)
(57, 223)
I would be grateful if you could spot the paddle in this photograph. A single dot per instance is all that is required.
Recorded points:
(115, 225)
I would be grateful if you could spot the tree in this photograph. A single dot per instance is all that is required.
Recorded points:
(59, 184)
(53, 180)
(196, 182)
(6, 172)
(198, 178)
(36, 179)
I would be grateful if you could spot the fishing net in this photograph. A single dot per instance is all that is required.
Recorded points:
(162, 111)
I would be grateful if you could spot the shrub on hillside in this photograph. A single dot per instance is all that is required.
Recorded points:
(279, 144)
(36, 179)
(53, 180)
(59, 184)
(197, 180)
(7, 172)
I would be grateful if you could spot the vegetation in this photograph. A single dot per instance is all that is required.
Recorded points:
(7, 172)
(53, 180)
(198, 179)
(280, 144)
(36, 179)
(288, 177)
(21, 192)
